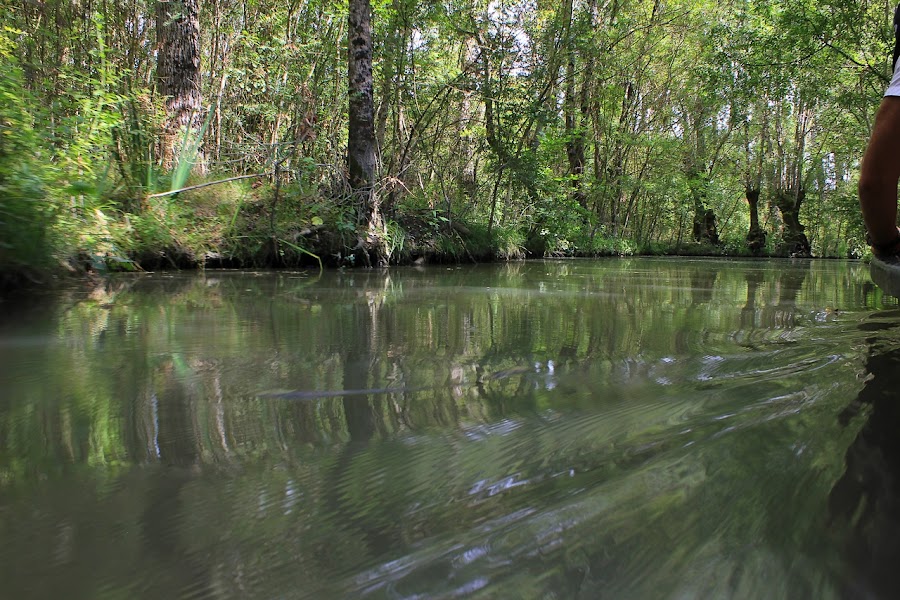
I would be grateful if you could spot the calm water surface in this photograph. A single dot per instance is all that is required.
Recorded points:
(642, 428)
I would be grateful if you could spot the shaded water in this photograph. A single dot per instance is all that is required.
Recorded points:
(643, 428)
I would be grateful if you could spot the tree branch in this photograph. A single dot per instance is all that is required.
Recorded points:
(203, 185)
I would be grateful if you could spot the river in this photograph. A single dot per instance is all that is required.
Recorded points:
(623, 428)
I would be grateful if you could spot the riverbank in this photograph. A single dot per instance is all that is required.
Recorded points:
(260, 224)
(453, 248)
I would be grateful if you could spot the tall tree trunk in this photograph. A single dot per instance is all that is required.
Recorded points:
(704, 227)
(574, 137)
(468, 171)
(756, 237)
(361, 128)
(494, 143)
(178, 71)
(794, 240)
(574, 133)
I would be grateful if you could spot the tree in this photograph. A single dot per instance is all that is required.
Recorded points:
(580, 126)
(361, 126)
(178, 72)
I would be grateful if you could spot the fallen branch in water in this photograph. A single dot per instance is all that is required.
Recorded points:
(315, 394)
(312, 394)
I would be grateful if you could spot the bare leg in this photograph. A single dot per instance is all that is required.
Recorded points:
(880, 172)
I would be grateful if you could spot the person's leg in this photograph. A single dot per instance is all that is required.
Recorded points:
(880, 168)
(879, 174)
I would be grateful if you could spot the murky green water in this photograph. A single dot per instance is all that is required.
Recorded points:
(641, 428)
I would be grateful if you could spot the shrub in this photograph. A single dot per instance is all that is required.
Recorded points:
(26, 215)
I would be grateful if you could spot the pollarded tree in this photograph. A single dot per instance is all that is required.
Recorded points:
(825, 62)
(178, 71)
(743, 43)
(753, 134)
(704, 117)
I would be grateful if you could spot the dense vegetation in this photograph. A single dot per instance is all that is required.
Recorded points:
(500, 129)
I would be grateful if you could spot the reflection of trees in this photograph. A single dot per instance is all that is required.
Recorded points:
(477, 338)
(169, 378)
(865, 502)
(703, 283)
(162, 535)
(790, 283)
(772, 303)
(754, 278)
(172, 440)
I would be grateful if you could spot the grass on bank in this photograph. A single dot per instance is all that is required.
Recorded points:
(244, 224)
(250, 223)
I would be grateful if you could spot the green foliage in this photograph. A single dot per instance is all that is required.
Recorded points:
(570, 129)
(26, 217)
(509, 242)
(602, 245)
(394, 240)
(735, 245)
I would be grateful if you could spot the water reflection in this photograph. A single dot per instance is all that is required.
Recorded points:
(866, 499)
(633, 428)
